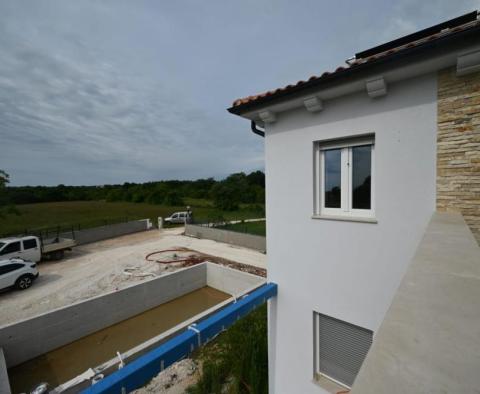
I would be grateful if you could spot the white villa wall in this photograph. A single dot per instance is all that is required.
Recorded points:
(344, 269)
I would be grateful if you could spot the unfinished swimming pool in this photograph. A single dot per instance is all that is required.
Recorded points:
(73, 346)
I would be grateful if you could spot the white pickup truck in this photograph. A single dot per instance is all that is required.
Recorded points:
(32, 249)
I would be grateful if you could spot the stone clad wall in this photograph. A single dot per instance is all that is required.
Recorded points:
(458, 146)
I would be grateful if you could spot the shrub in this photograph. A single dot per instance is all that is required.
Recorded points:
(225, 197)
(138, 197)
(155, 197)
(237, 362)
(173, 199)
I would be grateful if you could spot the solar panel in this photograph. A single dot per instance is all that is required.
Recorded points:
(461, 20)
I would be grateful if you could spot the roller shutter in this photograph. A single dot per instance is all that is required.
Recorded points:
(341, 348)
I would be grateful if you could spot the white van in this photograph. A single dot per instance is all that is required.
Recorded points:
(179, 218)
(25, 248)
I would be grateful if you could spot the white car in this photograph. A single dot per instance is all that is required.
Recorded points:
(17, 273)
(179, 218)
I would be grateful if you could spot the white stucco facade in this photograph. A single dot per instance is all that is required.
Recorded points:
(347, 270)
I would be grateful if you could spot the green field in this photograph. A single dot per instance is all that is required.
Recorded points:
(85, 214)
(256, 228)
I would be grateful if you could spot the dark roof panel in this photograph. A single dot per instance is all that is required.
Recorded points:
(452, 23)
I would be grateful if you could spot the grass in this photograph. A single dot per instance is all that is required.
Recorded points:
(96, 213)
(255, 228)
(237, 361)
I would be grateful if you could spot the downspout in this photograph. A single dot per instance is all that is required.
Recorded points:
(256, 130)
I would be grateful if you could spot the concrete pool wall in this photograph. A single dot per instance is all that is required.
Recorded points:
(4, 383)
(30, 338)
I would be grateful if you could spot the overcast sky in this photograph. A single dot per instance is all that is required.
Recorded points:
(96, 92)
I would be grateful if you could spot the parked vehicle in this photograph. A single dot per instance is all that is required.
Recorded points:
(33, 249)
(179, 217)
(18, 273)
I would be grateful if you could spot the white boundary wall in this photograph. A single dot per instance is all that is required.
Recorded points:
(109, 231)
(230, 237)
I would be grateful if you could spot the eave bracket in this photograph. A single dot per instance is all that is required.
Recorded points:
(376, 87)
(313, 104)
(267, 116)
(468, 63)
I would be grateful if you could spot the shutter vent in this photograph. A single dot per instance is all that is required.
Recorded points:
(341, 348)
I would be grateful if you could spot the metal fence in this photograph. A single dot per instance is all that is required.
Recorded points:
(55, 231)
(245, 226)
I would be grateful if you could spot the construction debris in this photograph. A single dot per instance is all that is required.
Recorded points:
(174, 380)
(185, 257)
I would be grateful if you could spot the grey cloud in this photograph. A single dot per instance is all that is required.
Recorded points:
(98, 92)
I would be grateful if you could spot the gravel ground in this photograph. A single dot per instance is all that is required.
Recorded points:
(174, 380)
(105, 266)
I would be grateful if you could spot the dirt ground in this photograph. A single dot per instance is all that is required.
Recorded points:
(105, 266)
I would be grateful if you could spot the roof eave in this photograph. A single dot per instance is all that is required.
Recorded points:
(407, 54)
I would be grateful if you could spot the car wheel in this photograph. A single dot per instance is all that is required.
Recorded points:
(24, 282)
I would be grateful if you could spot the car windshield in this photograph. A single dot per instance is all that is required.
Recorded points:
(2, 244)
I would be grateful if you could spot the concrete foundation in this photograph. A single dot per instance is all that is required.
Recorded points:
(110, 231)
(230, 237)
(27, 339)
(4, 384)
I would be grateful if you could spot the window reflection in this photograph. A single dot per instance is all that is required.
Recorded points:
(361, 177)
(333, 189)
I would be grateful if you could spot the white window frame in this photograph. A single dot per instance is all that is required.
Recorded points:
(345, 209)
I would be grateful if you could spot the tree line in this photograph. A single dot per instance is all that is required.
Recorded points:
(227, 194)
(6, 206)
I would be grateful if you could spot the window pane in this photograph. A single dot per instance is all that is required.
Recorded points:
(333, 178)
(361, 177)
(29, 244)
(4, 269)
